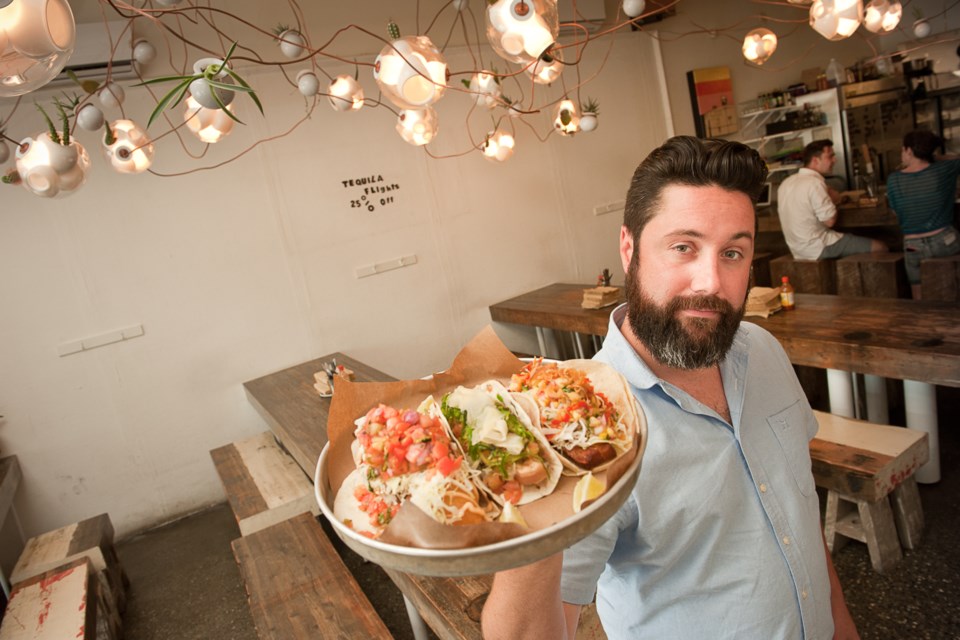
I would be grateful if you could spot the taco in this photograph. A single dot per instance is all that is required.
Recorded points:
(407, 455)
(583, 408)
(514, 460)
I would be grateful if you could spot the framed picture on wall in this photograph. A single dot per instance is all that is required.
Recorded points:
(711, 96)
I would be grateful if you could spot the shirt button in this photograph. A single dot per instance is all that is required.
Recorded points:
(786, 539)
(763, 488)
(803, 594)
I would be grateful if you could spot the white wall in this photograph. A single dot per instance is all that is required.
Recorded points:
(247, 269)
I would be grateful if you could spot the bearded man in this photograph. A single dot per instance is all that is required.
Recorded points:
(720, 537)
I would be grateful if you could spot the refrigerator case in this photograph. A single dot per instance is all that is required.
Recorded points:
(939, 112)
(876, 116)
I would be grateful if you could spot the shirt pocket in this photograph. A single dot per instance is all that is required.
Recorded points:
(792, 426)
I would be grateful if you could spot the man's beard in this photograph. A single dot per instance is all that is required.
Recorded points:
(690, 343)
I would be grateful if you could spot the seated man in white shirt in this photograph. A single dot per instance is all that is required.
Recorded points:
(808, 211)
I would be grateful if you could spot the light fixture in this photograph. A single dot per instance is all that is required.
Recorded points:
(111, 95)
(308, 84)
(634, 8)
(759, 45)
(498, 147)
(346, 94)
(144, 52)
(49, 169)
(209, 125)
(127, 149)
(292, 43)
(411, 72)
(486, 89)
(520, 30)
(567, 122)
(836, 19)
(89, 117)
(882, 15)
(36, 40)
(417, 126)
(547, 68)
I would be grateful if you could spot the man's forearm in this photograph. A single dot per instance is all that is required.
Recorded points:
(844, 627)
(525, 603)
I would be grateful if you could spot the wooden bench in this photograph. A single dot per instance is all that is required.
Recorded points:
(298, 587)
(868, 471)
(806, 276)
(872, 275)
(940, 279)
(263, 483)
(91, 539)
(65, 602)
(761, 269)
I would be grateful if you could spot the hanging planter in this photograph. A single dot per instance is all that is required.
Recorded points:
(588, 118)
(213, 85)
(521, 30)
(292, 43)
(411, 71)
(127, 148)
(566, 122)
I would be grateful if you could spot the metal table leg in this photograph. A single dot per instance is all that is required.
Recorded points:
(542, 342)
(877, 409)
(416, 622)
(840, 390)
(578, 345)
(920, 401)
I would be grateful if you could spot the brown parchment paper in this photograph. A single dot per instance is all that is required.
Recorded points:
(485, 357)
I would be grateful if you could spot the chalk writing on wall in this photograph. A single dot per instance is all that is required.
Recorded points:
(370, 192)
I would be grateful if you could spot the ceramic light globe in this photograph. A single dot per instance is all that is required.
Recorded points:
(634, 8)
(547, 68)
(144, 52)
(415, 80)
(4, 152)
(486, 90)
(51, 170)
(111, 95)
(921, 29)
(36, 40)
(588, 122)
(520, 30)
(567, 121)
(759, 45)
(346, 94)
(209, 125)
(292, 44)
(498, 147)
(881, 15)
(417, 126)
(131, 150)
(89, 117)
(307, 83)
(836, 19)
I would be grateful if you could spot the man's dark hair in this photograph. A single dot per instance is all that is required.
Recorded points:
(695, 162)
(922, 144)
(814, 149)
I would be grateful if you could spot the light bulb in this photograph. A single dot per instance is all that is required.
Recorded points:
(836, 19)
(130, 151)
(547, 68)
(36, 40)
(634, 8)
(411, 72)
(346, 94)
(50, 170)
(209, 125)
(520, 30)
(759, 45)
(486, 90)
(567, 122)
(498, 147)
(417, 126)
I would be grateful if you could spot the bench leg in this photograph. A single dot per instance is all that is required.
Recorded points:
(908, 512)
(881, 534)
(416, 622)
(837, 510)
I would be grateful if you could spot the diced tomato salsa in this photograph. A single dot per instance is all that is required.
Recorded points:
(395, 443)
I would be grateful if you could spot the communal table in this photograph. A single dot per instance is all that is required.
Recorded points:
(297, 415)
(914, 341)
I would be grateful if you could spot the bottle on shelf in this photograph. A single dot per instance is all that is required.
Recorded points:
(786, 294)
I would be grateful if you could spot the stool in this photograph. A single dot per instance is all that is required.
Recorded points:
(66, 602)
(761, 269)
(806, 276)
(868, 471)
(92, 539)
(940, 279)
(872, 275)
(263, 483)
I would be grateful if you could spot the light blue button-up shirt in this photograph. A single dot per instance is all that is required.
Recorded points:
(721, 535)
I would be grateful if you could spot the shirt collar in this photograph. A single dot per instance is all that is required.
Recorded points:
(811, 172)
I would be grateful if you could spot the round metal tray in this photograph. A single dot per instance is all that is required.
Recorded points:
(490, 558)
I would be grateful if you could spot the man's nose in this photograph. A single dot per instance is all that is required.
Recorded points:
(706, 276)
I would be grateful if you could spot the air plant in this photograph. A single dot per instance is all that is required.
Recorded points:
(207, 85)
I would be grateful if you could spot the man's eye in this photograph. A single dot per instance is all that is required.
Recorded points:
(733, 254)
(682, 248)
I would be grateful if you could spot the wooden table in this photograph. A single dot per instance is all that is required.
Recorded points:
(297, 415)
(914, 341)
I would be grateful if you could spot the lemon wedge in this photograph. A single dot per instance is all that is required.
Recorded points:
(512, 514)
(588, 488)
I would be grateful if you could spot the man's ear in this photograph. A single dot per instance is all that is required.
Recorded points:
(626, 247)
